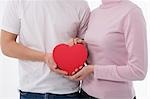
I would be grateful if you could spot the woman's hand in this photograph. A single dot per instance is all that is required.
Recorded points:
(52, 65)
(82, 74)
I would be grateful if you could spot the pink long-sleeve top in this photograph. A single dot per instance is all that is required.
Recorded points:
(116, 39)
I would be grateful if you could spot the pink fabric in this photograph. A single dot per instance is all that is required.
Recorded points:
(117, 44)
(109, 1)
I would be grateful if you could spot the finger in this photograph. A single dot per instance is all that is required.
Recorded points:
(80, 67)
(74, 77)
(73, 73)
(66, 76)
(76, 69)
(80, 41)
(53, 69)
(85, 64)
(54, 66)
(76, 41)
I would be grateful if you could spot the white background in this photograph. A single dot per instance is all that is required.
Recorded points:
(9, 70)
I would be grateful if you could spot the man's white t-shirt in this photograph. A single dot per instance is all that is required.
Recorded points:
(41, 25)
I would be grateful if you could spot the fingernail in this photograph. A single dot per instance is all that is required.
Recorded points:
(76, 70)
(73, 73)
(80, 67)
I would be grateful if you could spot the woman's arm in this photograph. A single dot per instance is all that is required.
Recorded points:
(136, 45)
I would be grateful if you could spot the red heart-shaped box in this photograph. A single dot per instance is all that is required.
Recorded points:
(68, 58)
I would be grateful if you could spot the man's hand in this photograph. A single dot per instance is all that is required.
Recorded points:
(82, 74)
(75, 41)
(78, 41)
(52, 65)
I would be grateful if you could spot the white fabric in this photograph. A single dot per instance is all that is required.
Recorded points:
(41, 25)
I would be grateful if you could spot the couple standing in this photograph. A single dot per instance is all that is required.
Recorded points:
(115, 38)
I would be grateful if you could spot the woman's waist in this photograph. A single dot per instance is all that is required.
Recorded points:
(102, 88)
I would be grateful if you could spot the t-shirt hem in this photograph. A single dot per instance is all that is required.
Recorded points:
(52, 92)
(8, 29)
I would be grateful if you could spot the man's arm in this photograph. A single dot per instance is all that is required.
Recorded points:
(11, 22)
(13, 49)
(84, 15)
(10, 29)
